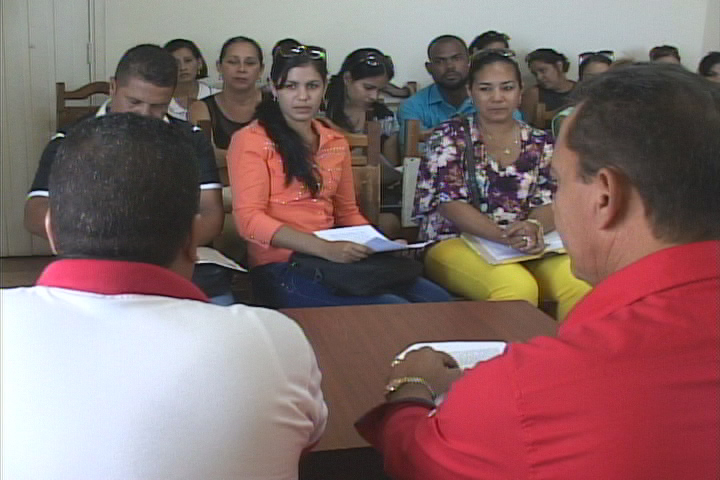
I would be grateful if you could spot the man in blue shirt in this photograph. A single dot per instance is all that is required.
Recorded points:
(448, 64)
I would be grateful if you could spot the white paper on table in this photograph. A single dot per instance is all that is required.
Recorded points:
(466, 354)
(365, 235)
(210, 255)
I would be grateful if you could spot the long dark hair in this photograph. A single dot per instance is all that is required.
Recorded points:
(293, 149)
(362, 63)
(178, 43)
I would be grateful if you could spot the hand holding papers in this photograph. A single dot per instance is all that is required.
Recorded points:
(433, 362)
(496, 253)
(365, 235)
(466, 354)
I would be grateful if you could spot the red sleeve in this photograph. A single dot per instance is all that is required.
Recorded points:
(346, 210)
(474, 433)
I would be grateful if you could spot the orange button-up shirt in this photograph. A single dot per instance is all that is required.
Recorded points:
(263, 202)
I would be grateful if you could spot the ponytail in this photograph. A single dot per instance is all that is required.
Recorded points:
(293, 150)
(335, 100)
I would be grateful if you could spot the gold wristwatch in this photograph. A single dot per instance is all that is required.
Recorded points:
(394, 384)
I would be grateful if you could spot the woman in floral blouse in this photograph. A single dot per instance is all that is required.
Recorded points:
(509, 202)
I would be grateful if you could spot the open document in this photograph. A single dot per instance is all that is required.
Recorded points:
(466, 354)
(496, 253)
(365, 235)
(210, 255)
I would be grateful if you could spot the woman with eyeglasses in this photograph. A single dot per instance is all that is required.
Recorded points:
(240, 66)
(540, 102)
(593, 64)
(500, 189)
(191, 70)
(290, 176)
(352, 100)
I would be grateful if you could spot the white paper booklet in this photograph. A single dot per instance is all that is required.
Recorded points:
(496, 253)
(466, 354)
(210, 255)
(365, 235)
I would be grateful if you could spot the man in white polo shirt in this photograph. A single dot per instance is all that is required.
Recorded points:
(114, 364)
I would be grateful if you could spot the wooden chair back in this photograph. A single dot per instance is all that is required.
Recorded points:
(414, 136)
(543, 117)
(67, 114)
(366, 151)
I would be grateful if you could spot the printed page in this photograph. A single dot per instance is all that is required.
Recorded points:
(210, 255)
(365, 235)
(500, 252)
(466, 354)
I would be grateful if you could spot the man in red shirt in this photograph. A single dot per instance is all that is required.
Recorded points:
(630, 388)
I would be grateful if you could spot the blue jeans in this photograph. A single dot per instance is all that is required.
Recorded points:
(279, 286)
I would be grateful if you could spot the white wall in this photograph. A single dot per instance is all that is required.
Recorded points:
(42, 42)
(402, 29)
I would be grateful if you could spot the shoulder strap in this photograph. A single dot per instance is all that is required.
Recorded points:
(470, 163)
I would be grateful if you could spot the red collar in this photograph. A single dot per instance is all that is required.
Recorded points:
(112, 277)
(663, 270)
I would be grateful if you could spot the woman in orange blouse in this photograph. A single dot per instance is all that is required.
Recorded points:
(290, 175)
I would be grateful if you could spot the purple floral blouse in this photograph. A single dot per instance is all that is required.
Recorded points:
(507, 194)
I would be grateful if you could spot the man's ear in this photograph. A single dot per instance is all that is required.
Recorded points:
(612, 197)
(427, 68)
(191, 246)
(49, 231)
(113, 86)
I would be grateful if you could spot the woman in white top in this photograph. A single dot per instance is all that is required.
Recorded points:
(191, 68)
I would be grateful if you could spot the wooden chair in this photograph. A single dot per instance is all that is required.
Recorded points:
(414, 136)
(543, 118)
(67, 114)
(365, 151)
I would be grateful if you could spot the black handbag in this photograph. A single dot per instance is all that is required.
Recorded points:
(377, 274)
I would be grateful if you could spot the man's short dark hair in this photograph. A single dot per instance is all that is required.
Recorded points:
(664, 51)
(123, 187)
(658, 126)
(446, 38)
(150, 63)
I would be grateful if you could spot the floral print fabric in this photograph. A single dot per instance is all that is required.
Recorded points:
(507, 194)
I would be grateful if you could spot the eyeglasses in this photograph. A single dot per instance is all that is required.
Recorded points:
(558, 120)
(609, 54)
(315, 53)
(503, 52)
(373, 59)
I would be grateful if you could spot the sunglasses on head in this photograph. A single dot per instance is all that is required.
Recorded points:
(503, 52)
(558, 120)
(315, 53)
(372, 59)
(609, 54)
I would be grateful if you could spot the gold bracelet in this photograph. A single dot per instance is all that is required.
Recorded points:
(395, 384)
(536, 222)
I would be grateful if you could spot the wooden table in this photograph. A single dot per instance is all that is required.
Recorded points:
(355, 345)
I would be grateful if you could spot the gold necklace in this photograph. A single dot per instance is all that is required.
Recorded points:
(508, 149)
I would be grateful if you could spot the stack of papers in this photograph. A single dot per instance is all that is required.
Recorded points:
(365, 235)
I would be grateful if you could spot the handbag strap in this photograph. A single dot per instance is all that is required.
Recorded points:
(470, 163)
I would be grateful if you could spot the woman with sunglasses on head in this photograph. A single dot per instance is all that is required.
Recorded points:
(240, 66)
(352, 99)
(191, 69)
(549, 96)
(291, 175)
(502, 192)
(594, 63)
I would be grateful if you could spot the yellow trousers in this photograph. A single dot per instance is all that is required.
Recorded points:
(456, 266)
